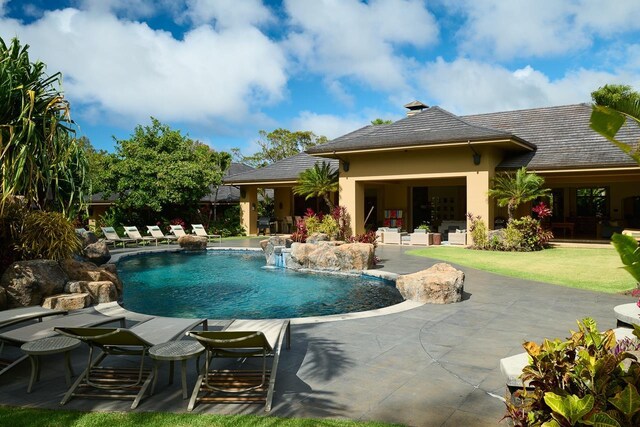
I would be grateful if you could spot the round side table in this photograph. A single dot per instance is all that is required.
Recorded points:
(173, 351)
(46, 346)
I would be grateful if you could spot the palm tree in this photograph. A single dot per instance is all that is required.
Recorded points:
(511, 190)
(319, 181)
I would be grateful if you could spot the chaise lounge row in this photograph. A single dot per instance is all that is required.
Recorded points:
(156, 235)
(60, 331)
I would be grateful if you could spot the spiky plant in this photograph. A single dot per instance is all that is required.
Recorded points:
(319, 181)
(512, 189)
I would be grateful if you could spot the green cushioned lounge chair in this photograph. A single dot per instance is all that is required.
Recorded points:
(119, 382)
(242, 339)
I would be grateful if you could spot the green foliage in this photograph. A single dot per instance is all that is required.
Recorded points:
(614, 104)
(513, 238)
(629, 251)
(100, 169)
(512, 189)
(579, 381)
(424, 227)
(158, 167)
(48, 235)
(229, 225)
(379, 121)
(39, 157)
(319, 181)
(279, 144)
(532, 236)
(479, 232)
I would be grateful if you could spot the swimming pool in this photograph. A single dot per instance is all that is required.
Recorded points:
(232, 284)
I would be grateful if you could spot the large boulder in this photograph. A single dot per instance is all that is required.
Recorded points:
(67, 301)
(3, 299)
(89, 272)
(100, 292)
(332, 256)
(317, 237)
(88, 237)
(268, 247)
(28, 282)
(440, 284)
(97, 252)
(192, 243)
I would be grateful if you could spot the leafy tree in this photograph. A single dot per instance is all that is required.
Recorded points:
(40, 158)
(279, 144)
(379, 121)
(512, 189)
(101, 178)
(614, 104)
(319, 181)
(159, 167)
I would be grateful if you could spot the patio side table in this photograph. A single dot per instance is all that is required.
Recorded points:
(173, 351)
(46, 346)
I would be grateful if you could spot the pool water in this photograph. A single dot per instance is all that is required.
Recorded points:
(228, 284)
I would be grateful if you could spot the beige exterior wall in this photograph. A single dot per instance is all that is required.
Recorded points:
(249, 209)
(283, 201)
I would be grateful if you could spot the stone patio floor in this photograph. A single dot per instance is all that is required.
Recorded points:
(435, 365)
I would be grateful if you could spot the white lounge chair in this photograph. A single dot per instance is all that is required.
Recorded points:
(199, 230)
(112, 237)
(132, 232)
(178, 231)
(240, 340)
(155, 231)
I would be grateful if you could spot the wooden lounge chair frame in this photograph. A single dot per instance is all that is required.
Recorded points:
(119, 382)
(199, 230)
(111, 236)
(238, 386)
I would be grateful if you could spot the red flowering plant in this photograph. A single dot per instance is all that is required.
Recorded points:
(542, 210)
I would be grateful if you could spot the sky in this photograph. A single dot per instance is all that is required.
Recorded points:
(222, 70)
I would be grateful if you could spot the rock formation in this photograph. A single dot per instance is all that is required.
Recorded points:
(440, 284)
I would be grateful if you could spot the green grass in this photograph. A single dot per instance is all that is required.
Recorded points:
(597, 269)
(17, 417)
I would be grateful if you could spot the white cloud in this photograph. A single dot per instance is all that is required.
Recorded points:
(330, 125)
(130, 8)
(228, 13)
(524, 28)
(465, 86)
(361, 41)
(126, 68)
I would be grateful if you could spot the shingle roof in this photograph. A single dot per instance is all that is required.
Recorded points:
(562, 136)
(284, 170)
(429, 127)
(227, 193)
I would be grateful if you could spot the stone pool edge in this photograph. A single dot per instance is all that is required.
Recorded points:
(380, 274)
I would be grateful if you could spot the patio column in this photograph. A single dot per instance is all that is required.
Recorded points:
(352, 198)
(249, 209)
(477, 201)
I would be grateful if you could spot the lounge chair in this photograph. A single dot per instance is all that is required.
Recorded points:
(133, 233)
(264, 223)
(242, 339)
(123, 382)
(199, 230)
(17, 337)
(112, 237)
(155, 231)
(18, 315)
(178, 231)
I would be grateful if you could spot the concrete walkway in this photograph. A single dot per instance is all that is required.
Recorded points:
(435, 365)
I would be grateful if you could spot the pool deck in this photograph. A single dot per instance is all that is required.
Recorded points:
(434, 365)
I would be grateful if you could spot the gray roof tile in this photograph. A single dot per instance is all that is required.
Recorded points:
(428, 127)
(284, 170)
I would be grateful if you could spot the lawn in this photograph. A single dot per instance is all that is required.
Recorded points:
(597, 269)
(18, 417)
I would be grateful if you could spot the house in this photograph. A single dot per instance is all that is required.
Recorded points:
(434, 166)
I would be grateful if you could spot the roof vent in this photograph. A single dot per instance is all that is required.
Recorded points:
(415, 107)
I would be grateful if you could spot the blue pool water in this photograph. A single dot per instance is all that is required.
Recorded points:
(227, 284)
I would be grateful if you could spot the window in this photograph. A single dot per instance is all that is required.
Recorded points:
(592, 201)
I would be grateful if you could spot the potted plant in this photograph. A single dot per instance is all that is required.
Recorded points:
(422, 228)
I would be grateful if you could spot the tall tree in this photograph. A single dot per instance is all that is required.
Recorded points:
(40, 157)
(280, 144)
(158, 167)
(614, 105)
(512, 189)
(319, 181)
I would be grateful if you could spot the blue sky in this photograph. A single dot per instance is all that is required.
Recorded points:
(221, 70)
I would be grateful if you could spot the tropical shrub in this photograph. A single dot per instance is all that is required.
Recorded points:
(343, 219)
(534, 237)
(229, 224)
(368, 237)
(577, 382)
(479, 231)
(512, 189)
(48, 235)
